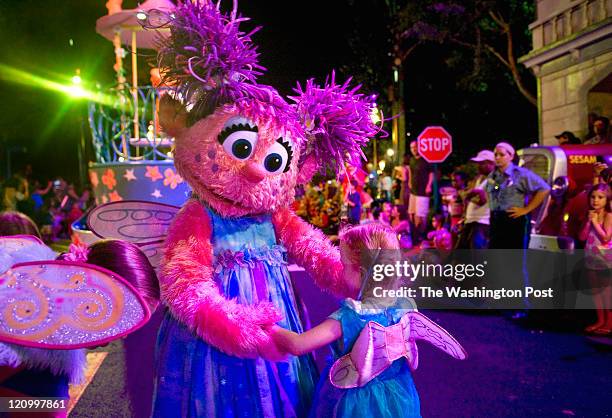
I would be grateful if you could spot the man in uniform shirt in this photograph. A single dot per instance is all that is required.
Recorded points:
(513, 192)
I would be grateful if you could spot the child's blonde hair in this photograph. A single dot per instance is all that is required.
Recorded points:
(370, 244)
(372, 236)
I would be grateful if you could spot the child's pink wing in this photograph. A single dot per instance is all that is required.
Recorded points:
(135, 221)
(423, 328)
(67, 305)
(377, 347)
(154, 252)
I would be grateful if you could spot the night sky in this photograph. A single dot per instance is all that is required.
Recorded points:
(307, 39)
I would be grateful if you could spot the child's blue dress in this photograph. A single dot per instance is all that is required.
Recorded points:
(391, 394)
(197, 380)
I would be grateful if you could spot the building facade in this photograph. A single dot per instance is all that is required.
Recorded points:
(572, 61)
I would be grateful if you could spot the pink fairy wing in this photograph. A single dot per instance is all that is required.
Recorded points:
(138, 222)
(377, 360)
(154, 252)
(13, 243)
(423, 328)
(377, 347)
(67, 305)
(344, 374)
(368, 358)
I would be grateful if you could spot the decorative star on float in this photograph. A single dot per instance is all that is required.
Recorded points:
(129, 175)
(153, 173)
(156, 194)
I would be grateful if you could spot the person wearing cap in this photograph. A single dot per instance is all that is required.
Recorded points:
(475, 232)
(567, 138)
(513, 193)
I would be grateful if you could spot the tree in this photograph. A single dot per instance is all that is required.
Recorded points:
(444, 83)
(493, 31)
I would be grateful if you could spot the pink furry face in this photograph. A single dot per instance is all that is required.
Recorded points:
(237, 163)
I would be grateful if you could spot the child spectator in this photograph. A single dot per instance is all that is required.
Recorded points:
(439, 238)
(597, 231)
(401, 226)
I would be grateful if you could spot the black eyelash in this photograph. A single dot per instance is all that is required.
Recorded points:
(287, 146)
(235, 128)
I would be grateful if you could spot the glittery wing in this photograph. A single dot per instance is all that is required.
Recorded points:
(423, 328)
(66, 305)
(138, 222)
(14, 243)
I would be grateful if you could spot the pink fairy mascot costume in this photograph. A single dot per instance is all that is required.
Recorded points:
(224, 280)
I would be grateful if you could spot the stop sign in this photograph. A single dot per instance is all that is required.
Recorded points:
(435, 144)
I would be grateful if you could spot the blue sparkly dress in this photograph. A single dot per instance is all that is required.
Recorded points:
(391, 394)
(195, 379)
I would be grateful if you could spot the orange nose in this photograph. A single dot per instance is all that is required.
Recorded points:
(253, 172)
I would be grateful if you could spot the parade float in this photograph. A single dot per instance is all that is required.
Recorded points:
(133, 157)
(568, 169)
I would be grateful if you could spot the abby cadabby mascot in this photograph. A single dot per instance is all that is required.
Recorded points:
(224, 280)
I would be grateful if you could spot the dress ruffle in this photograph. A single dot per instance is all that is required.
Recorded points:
(275, 255)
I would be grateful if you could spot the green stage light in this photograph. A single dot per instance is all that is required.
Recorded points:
(74, 90)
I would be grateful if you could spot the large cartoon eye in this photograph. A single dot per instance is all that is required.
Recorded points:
(279, 157)
(239, 137)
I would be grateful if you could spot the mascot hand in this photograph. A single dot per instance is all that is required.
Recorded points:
(272, 351)
(237, 330)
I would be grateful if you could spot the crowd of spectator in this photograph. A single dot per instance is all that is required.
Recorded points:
(485, 203)
(320, 204)
(53, 204)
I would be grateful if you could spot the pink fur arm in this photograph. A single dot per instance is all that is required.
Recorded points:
(188, 289)
(312, 250)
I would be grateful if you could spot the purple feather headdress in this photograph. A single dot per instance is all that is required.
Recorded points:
(209, 62)
(337, 120)
(206, 59)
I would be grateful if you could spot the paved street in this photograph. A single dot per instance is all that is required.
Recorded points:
(512, 371)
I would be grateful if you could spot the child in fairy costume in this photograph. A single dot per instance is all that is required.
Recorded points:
(365, 381)
(26, 371)
(224, 279)
(47, 353)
